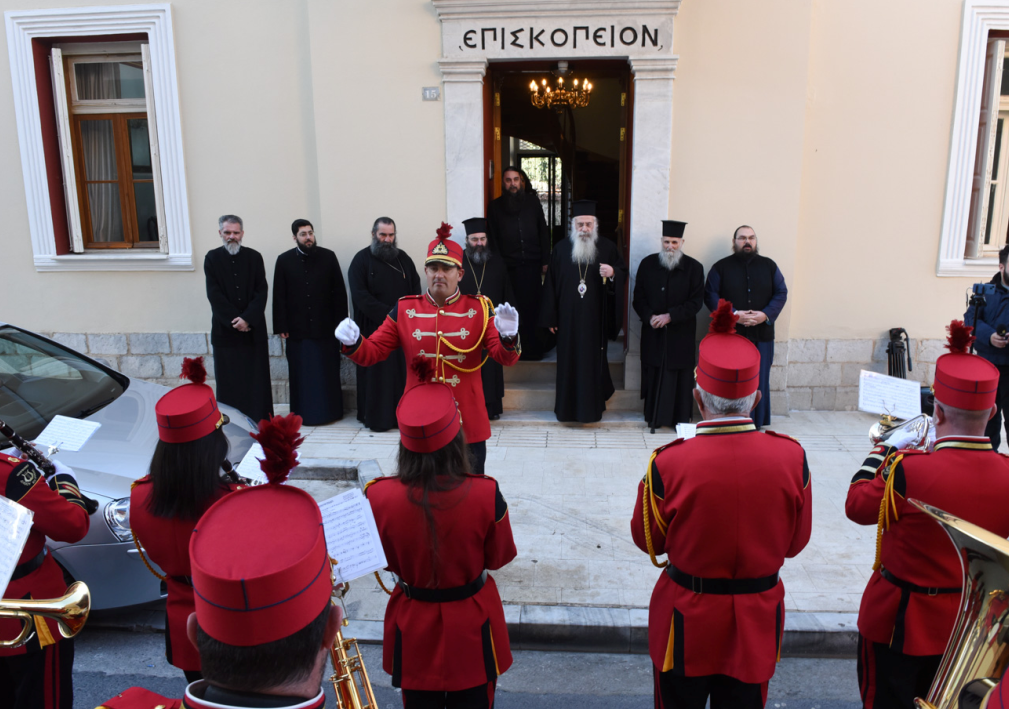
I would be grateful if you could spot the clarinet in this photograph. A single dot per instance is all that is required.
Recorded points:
(43, 463)
(29, 450)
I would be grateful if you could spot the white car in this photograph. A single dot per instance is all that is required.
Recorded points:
(39, 379)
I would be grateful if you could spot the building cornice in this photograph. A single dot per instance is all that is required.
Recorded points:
(495, 9)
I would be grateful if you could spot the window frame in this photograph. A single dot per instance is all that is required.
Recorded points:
(24, 26)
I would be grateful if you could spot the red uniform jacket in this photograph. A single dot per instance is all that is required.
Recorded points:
(166, 543)
(454, 337)
(962, 476)
(59, 515)
(731, 503)
(444, 646)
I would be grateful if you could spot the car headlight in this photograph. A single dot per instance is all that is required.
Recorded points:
(117, 516)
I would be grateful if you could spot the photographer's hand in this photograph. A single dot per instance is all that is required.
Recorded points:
(997, 341)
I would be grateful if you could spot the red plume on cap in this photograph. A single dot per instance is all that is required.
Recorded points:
(960, 337)
(444, 231)
(422, 367)
(193, 370)
(723, 320)
(279, 437)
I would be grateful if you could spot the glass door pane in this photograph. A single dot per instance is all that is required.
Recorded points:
(98, 148)
(143, 180)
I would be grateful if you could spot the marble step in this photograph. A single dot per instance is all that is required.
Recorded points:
(540, 397)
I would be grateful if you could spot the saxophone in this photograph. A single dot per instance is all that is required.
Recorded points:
(350, 677)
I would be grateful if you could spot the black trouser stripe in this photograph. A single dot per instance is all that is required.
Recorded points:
(897, 642)
(777, 631)
(488, 651)
(678, 639)
(397, 660)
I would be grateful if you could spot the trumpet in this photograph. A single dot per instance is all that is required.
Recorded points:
(70, 611)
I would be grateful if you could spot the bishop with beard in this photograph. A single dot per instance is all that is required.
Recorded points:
(582, 304)
(379, 276)
(668, 294)
(485, 274)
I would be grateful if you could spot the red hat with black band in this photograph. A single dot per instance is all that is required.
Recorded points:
(443, 249)
(189, 412)
(728, 365)
(428, 414)
(964, 380)
(254, 582)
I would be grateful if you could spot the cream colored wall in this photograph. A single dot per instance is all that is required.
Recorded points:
(739, 107)
(880, 103)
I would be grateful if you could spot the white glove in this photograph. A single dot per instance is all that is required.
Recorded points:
(63, 469)
(902, 439)
(507, 320)
(348, 332)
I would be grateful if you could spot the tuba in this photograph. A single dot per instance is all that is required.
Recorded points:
(70, 611)
(978, 649)
(920, 425)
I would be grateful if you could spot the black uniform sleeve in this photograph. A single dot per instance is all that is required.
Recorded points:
(544, 234)
(221, 308)
(280, 298)
(364, 302)
(689, 308)
(640, 298)
(257, 305)
(340, 309)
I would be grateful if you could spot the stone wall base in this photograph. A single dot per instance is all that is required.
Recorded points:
(819, 375)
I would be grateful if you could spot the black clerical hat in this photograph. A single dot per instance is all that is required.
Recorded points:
(583, 208)
(673, 229)
(476, 225)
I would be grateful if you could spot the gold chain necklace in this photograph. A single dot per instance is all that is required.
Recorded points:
(582, 288)
(483, 274)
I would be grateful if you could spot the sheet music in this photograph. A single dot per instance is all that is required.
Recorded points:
(686, 430)
(352, 536)
(881, 394)
(67, 434)
(249, 467)
(15, 523)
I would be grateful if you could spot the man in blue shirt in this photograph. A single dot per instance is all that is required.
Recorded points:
(990, 330)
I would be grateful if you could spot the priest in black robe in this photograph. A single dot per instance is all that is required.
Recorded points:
(582, 303)
(517, 232)
(237, 291)
(379, 276)
(668, 294)
(309, 301)
(484, 273)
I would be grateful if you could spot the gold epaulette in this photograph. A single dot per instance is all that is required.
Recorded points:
(375, 480)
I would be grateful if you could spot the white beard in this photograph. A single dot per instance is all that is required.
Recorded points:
(232, 249)
(584, 250)
(670, 259)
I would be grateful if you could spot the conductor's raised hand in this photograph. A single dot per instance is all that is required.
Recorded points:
(348, 332)
(507, 320)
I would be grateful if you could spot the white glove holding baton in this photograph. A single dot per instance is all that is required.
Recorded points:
(348, 332)
(506, 319)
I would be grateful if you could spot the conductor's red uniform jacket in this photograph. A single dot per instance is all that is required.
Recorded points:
(166, 543)
(731, 503)
(60, 515)
(453, 337)
(962, 476)
(458, 644)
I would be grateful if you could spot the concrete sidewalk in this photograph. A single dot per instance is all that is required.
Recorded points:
(579, 580)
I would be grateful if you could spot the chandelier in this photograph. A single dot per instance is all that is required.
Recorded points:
(547, 96)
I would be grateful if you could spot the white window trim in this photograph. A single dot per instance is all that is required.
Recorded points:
(156, 21)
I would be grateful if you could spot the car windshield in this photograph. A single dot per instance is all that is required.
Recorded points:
(40, 379)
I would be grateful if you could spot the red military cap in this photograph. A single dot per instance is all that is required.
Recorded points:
(443, 249)
(728, 364)
(964, 380)
(428, 414)
(190, 411)
(260, 567)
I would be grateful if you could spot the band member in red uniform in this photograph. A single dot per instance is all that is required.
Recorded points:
(726, 508)
(450, 329)
(264, 623)
(184, 480)
(910, 603)
(442, 528)
(37, 675)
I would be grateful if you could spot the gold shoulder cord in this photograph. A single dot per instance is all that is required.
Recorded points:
(379, 579)
(887, 504)
(647, 500)
(136, 543)
(479, 342)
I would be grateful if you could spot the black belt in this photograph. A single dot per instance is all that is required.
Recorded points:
(22, 570)
(444, 595)
(908, 586)
(721, 587)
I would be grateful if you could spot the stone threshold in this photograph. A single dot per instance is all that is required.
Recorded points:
(577, 629)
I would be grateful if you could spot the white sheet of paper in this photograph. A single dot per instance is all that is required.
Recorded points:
(881, 394)
(352, 536)
(249, 467)
(686, 430)
(67, 434)
(15, 523)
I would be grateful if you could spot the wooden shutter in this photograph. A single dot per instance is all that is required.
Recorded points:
(66, 152)
(152, 131)
(979, 197)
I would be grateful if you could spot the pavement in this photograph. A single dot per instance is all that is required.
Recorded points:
(579, 582)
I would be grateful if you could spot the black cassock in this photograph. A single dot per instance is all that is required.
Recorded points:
(236, 287)
(668, 355)
(584, 324)
(375, 287)
(309, 300)
(490, 279)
